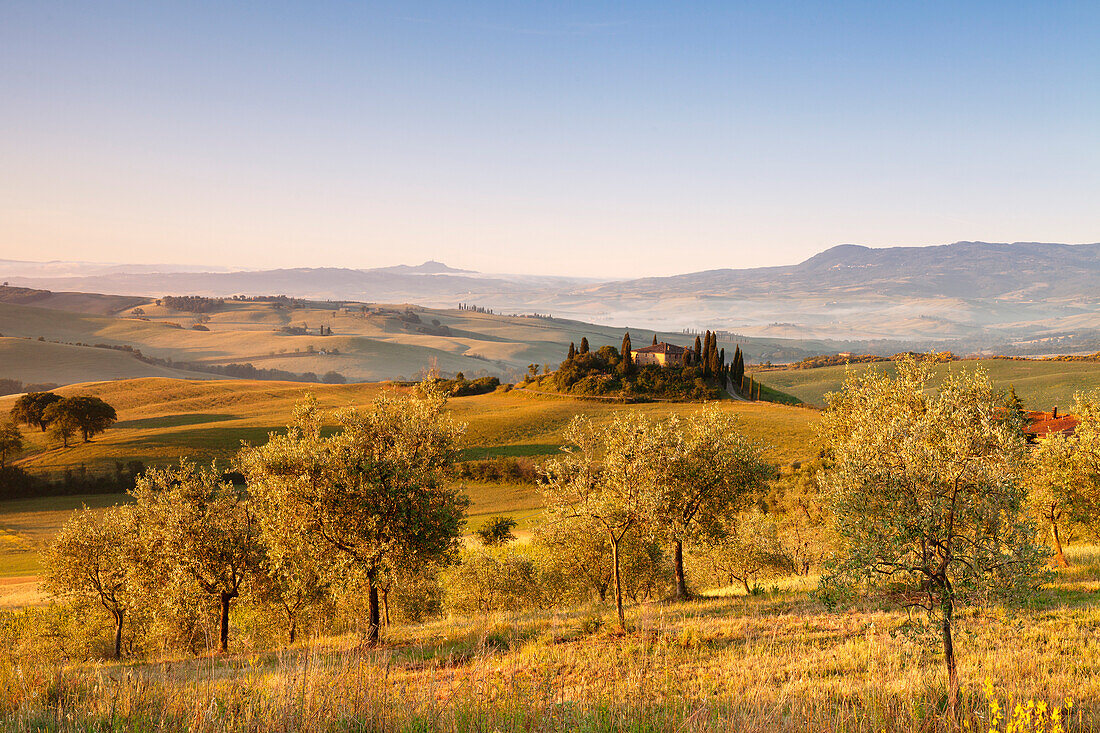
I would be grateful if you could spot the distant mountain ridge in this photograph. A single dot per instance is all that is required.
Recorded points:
(959, 270)
(980, 291)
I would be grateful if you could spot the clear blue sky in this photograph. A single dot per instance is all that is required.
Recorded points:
(631, 138)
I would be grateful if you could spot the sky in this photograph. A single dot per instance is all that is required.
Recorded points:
(594, 139)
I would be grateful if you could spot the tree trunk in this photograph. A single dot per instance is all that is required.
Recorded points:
(947, 607)
(118, 634)
(745, 582)
(374, 621)
(226, 598)
(682, 593)
(386, 606)
(618, 582)
(1059, 557)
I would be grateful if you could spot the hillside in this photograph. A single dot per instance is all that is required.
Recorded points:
(31, 361)
(1024, 270)
(363, 342)
(1040, 384)
(161, 420)
(983, 296)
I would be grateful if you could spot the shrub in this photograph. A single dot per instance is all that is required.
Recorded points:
(487, 581)
(497, 531)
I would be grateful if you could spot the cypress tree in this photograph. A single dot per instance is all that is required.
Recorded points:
(628, 360)
(722, 361)
(584, 344)
(698, 351)
(654, 339)
(703, 360)
(738, 368)
(572, 351)
(1015, 404)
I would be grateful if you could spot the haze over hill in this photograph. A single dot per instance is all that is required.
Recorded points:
(985, 294)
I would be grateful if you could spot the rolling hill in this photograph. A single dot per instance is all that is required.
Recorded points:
(362, 342)
(984, 296)
(31, 361)
(161, 420)
(1040, 384)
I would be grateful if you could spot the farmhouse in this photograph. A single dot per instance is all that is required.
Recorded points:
(1043, 424)
(662, 354)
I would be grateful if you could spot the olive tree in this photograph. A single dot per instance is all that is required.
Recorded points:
(712, 474)
(926, 493)
(88, 562)
(375, 492)
(609, 476)
(1054, 496)
(11, 442)
(294, 577)
(1066, 474)
(747, 549)
(200, 534)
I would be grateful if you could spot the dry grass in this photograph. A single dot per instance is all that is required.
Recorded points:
(778, 662)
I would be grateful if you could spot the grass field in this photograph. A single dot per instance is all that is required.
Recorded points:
(1040, 384)
(778, 661)
(161, 420)
(32, 361)
(774, 662)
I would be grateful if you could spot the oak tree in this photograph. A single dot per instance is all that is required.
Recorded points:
(29, 409)
(11, 442)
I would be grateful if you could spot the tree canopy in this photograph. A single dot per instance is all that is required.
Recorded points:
(29, 409)
(926, 491)
(375, 492)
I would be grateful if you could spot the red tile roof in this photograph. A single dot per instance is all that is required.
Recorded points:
(1042, 424)
(661, 348)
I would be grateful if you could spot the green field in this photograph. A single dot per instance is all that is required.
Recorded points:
(1040, 384)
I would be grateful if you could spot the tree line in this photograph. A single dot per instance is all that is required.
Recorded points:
(63, 417)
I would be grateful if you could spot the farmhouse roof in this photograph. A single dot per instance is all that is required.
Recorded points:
(1042, 424)
(661, 348)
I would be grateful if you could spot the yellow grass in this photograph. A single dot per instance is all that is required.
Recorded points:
(777, 662)
(32, 361)
(161, 420)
